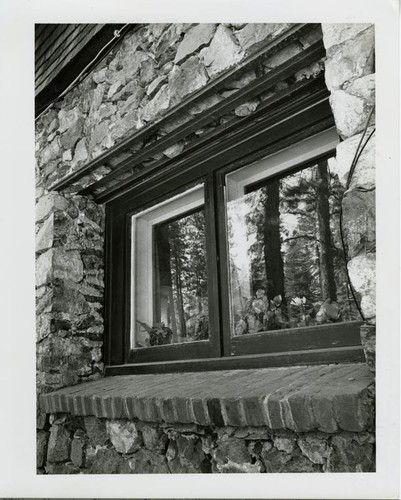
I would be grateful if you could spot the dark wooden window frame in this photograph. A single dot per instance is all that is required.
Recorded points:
(286, 123)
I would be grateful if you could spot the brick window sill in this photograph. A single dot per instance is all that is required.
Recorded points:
(326, 398)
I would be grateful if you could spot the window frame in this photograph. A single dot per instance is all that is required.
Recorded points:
(299, 120)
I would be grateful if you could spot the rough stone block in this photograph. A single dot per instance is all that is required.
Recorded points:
(155, 85)
(96, 431)
(364, 173)
(80, 153)
(350, 60)
(174, 150)
(274, 460)
(154, 439)
(124, 435)
(336, 33)
(74, 132)
(362, 271)
(67, 118)
(299, 463)
(48, 157)
(98, 134)
(146, 462)
(44, 268)
(347, 455)
(45, 236)
(222, 53)
(69, 300)
(314, 448)
(368, 340)
(196, 38)
(42, 438)
(247, 108)
(311, 71)
(68, 265)
(132, 93)
(232, 449)
(41, 419)
(254, 33)
(359, 222)
(130, 105)
(159, 103)
(364, 87)
(186, 78)
(132, 63)
(116, 86)
(58, 449)
(49, 204)
(165, 46)
(108, 461)
(78, 451)
(99, 76)
(97, 98)
(148, 72)
(286, 444)
(350, 112)
(190, 451)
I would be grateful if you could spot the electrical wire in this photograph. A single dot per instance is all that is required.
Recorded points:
(354, 162)
(82, 75)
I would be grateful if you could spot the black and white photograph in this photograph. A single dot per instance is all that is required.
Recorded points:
(205, 250)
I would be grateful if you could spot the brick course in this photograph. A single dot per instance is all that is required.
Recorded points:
(298, 398)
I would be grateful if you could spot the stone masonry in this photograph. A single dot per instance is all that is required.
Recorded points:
(351, 80)
(294, 419)
(151, 70)
(91, 445)
(350, 77)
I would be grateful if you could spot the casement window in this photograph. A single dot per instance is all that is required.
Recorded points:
(241, 262)
(232, 255)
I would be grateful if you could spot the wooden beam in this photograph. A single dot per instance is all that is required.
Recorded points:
(349, 354)
(276, 124)
(304, 88)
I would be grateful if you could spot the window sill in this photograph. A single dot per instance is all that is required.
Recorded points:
(302, 399)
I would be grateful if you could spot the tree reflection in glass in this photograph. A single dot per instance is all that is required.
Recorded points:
(180, 286)
(285, 255)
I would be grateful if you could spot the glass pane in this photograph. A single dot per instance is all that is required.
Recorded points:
(170, 281)
(181, 279)
(285, 255)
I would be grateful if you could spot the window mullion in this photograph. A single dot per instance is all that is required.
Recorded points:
(221, 236)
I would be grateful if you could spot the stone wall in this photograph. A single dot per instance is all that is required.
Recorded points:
(69, 291)
(350, 78)
(153, 69)
(90, 445)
